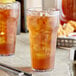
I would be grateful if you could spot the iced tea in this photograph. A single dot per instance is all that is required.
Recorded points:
(8, 27)
(43, 28)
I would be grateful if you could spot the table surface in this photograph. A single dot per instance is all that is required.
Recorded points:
(21, 59)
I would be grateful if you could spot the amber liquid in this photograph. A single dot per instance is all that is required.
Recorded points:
(8, 26)
(68, 10)
(43, 31)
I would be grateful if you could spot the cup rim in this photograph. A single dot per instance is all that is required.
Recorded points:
(34, 9)
(50, 11)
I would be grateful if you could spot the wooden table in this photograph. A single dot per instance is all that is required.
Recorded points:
(21, 59)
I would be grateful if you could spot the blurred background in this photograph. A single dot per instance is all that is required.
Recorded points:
(25, 4)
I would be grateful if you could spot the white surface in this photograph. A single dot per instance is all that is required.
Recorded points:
(3, 73)
(72, 51)
(22, 58)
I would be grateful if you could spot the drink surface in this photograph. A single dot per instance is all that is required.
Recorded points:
(8, 26)
(43, 31)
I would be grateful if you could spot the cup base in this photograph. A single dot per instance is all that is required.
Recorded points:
(6, 55)
(36, 70)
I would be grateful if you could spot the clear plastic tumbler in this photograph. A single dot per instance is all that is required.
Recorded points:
(42, 26)
(9, 13)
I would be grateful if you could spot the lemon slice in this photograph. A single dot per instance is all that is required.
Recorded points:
(7, 1)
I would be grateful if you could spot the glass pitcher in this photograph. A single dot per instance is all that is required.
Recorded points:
(67, 10)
